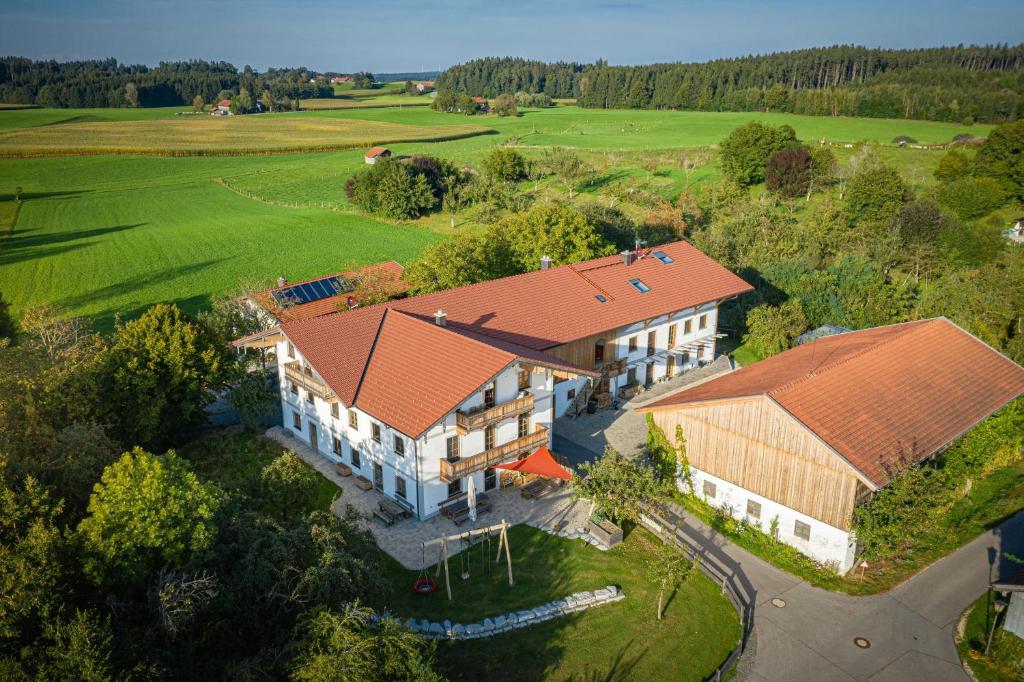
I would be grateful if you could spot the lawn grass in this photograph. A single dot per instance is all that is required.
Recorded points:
(395, 100)
(1005, 660)
(992, 499)
(623, 640)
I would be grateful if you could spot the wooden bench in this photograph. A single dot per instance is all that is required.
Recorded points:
(343, 469)
(394, 510)
(538, 488)
(383, 516)
(364, 483)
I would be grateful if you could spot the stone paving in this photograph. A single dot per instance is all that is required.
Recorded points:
(624, 429)
(404, 539)
(574, 603)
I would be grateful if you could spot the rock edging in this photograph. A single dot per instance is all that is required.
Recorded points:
(569, 534)
(488, 627)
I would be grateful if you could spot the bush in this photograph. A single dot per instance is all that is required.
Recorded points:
(972, 197)
(921, 222)
(505, 163)
(903, 139)
(505, 105)
(788, 171)
(771, 330)
(875, 193)
(392, 189)
(953, 166)
(1001, 156)
(746, 150)
(534, 100)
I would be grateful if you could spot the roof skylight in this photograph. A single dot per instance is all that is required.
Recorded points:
(663, 257)
(639, 286)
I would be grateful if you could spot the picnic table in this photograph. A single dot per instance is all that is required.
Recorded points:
(390, 511)
(457, 508)
(539, 487)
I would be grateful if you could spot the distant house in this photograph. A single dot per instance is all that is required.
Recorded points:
(793, 444)
(424, 87)
(222, 108)
(481, 104)
(1015, 233)
(341, 79)
(375, 153)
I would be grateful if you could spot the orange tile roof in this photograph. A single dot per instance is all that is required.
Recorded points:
(547, 308)
(388, 269)
(376, 151)
(879, 394)
(518, 317)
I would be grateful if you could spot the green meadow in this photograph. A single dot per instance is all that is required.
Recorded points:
(109, 234)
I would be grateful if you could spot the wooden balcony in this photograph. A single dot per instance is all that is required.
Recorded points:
(293, 372)
(452, 471)
(485, 416)
(613, 367)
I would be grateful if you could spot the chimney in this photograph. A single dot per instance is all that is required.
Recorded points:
(627, 257)
(281, 281)
(441, 318)
(545, 262)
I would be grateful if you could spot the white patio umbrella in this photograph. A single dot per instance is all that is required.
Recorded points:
(471, 498)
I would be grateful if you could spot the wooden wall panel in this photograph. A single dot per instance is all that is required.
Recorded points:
(581, 351)
(756, 445)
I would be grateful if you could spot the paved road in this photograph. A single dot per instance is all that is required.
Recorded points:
(910, 629)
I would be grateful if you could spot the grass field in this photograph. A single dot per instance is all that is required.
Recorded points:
(103, 234)
(1005, 659)
(227, 135)
(364, 103)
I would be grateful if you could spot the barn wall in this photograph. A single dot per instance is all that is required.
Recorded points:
(756, 445)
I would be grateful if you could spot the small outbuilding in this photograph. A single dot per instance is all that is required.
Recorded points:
(1015, 233)
(222, 108)
(481, 104)
(374, 153)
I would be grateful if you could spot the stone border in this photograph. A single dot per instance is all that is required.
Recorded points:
(489, 627)
(569, 534)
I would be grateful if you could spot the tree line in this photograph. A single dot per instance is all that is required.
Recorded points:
(979, 83)
(108, 83)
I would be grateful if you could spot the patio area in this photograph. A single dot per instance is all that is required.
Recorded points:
(403, 540)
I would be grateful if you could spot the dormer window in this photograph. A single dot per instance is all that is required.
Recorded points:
(639, 286)
(663, 257)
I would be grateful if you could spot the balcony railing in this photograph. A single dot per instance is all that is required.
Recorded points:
(293, 372)
(613, 367)
(485, 416)
(453, 471)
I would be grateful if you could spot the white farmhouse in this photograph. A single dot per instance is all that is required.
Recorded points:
(418, 394)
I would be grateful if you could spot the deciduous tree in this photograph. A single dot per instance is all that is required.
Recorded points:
(617, 487)
(289, 485)
(771, 329)
(746, 150)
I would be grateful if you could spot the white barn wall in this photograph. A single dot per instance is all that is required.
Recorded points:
(828, 544)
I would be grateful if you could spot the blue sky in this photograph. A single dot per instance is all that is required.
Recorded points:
(399, 35)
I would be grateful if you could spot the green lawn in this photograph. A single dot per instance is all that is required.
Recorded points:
(108, 234)
(623, 640)
(1005, 660)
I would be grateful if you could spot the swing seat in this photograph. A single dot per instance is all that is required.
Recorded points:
(424, 585)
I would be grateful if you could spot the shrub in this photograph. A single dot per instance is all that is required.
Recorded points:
(921, 222)
(746, 150)
(771, 330)
(972, 197)
(953, 166)
(505, 163)
(505, 105)
(788, 171)
(1001, 156)
(903, 139)
(875, 193)
(392, 189)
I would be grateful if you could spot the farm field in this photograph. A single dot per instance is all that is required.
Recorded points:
(106, 234)
(365, 103)
(218, 135)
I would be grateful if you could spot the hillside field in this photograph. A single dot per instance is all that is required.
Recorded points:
(106, 234)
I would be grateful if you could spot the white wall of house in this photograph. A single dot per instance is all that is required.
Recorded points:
(685, 350)
(827, 544)
(419, 466)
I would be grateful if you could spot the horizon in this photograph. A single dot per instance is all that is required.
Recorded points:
(419, 37)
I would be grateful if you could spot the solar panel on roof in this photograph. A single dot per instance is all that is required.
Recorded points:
(308, 292)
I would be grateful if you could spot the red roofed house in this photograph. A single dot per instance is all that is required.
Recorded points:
(374, 153)
(420, 393)
(482, 104)
(222, 108)
(805, 436)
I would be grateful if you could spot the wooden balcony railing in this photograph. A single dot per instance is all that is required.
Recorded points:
(453, 471)
(293, 372)
(613, 367)
(485, 416)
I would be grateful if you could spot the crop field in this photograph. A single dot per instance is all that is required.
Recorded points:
(109, 234)
(365, 103)
(227, 135)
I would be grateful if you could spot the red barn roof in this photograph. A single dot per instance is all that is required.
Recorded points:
(373, 152)
(224, 103)
(879, 394)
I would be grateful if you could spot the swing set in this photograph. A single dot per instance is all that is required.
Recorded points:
(424, 584)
